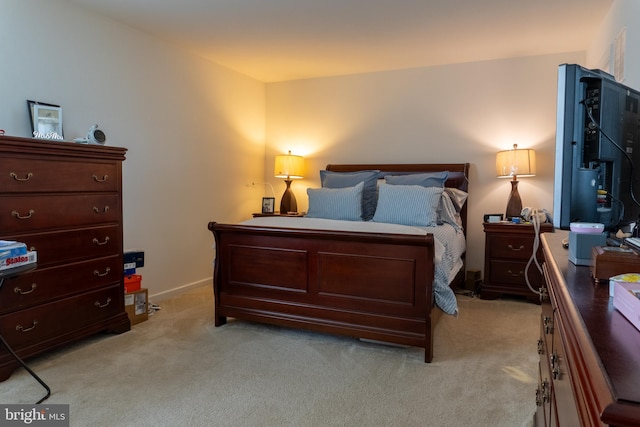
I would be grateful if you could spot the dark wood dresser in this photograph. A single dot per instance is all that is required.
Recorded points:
(589, 352)
(63, 200)
(508, 247)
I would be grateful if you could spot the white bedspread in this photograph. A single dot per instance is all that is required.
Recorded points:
(449, 246)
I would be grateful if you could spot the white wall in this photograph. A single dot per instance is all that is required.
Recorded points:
(622, 17)
(194, 130)
(446, 114)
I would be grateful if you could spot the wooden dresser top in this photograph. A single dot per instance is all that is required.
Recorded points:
(613, 339)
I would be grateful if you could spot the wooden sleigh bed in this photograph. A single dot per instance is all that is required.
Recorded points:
(376, 286)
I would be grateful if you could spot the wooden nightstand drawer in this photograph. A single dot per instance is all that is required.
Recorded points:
(511, 247)
(511, 272)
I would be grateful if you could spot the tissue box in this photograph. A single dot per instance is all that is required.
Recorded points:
(627, 302)
(581, 245)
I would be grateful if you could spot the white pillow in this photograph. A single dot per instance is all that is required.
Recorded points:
(458, 197)
(408, 204)
(447, 212)
(336, 203)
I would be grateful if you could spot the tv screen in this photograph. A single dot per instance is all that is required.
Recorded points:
(597, 164)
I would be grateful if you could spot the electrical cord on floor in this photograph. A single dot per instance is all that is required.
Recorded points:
(152, 308)
(24, 365)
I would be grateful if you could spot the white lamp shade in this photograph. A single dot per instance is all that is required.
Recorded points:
(289, 166)
(516, 162)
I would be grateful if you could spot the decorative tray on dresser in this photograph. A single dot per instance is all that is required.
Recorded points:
(63, 200)
(589, 352)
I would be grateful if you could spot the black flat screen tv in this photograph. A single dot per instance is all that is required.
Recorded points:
(597, 165)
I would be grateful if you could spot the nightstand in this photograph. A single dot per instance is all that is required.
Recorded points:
(508, 247)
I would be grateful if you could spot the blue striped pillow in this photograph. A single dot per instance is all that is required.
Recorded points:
(330, 179)
(336, 203)
(408, 204)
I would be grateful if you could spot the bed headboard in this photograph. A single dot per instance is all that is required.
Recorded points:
(458, 175)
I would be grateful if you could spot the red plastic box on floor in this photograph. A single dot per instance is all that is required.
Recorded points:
(132, 283)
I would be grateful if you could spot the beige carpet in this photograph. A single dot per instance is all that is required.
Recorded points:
(177, 369)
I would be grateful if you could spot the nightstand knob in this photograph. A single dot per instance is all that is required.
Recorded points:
(516, 250)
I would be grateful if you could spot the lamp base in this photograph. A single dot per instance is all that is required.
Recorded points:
(514, 204)
(288, 203)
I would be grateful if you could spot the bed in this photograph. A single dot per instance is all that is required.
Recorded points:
(366, 279)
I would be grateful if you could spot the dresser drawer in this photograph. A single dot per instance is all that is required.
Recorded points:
(28, 175)
(71, 245)
(29, 213)
(46, 284)
(47, 321)
(511, 247)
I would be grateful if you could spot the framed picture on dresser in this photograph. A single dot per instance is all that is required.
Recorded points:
(268, 205)
(46, 120)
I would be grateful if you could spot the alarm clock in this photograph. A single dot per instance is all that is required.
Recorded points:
(94, 136)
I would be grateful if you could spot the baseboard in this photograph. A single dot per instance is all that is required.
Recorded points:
(180, 290)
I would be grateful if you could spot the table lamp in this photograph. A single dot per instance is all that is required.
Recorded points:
(515, 163)
(289, 167)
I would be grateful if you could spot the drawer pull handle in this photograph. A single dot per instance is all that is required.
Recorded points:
(518, 274)
(516, 249)
(546, 391)
(103, 211)
(99, 243)
(97, 303)
(17, 290)
(30, 328)
(97, 273)
(17, 214)
(103, 179)
(26, 178)
(555, 372)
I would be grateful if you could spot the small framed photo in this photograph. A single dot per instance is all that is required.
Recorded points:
(268, 205)
(46, 120)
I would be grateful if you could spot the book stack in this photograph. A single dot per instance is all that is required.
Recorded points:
(14, 254)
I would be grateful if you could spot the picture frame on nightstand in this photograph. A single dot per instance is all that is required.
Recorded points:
(268, 205)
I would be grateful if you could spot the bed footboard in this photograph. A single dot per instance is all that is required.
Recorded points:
(365, 285)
